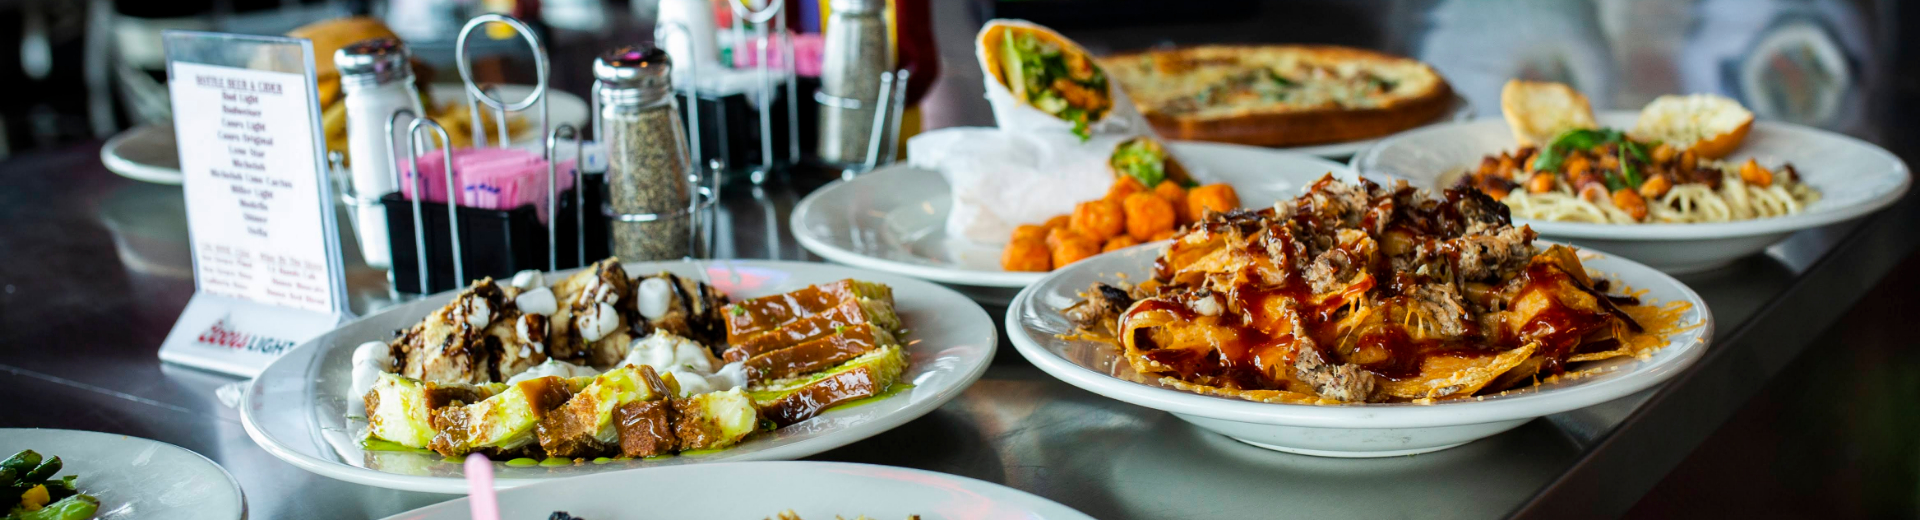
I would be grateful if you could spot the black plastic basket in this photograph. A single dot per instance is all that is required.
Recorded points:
(496, 243)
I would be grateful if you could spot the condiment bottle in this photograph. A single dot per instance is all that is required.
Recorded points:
(649, 188)
(377, 80)
(856, 51)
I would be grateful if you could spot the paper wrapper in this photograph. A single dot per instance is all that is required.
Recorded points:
(1002, 179)
(1018, 116)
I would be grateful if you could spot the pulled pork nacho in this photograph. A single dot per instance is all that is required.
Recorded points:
(1357, 293)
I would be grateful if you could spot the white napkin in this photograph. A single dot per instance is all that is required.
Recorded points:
(1029, 169)
(1003, 179)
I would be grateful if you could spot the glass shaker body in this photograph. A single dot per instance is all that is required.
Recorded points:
(377, 81)
(855, 52)
(649, 189)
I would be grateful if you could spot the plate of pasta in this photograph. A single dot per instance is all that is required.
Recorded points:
(1687, 184)
(1360, 320)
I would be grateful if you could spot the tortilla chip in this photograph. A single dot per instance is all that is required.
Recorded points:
(1263, 396)
(1442, 376)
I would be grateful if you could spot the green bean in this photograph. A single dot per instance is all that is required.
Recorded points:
(22, 462)
(77, 507)
(8, 476)
(44, 471)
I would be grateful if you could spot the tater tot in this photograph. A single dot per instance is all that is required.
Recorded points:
(1217, 197)
(1147, 215)
(1058, 222)
(1030, 232)
(1099, 219)
(1123, 187)
(1118, 243)
(1178, 197)
(1026, 255)
(1073, 249)
(1165, 235)
(1055, 235)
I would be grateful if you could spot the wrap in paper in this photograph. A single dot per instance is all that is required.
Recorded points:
(1018, 116)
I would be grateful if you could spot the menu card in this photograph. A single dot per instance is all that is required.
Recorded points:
(260, 217)
(247, 155)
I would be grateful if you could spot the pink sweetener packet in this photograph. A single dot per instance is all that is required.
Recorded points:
(490, 178)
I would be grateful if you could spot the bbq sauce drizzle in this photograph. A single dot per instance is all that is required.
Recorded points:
(1238, 358)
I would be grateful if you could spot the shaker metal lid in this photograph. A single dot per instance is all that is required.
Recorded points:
(638, 66)
(379, 59)
(857, 6)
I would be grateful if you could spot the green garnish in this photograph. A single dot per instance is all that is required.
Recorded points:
(1031, 68)
(737, 310)
(1567, 142)
(1140, 159)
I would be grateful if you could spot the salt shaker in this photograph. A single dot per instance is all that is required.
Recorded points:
(856, 52)
(377, 80)
(649, 187)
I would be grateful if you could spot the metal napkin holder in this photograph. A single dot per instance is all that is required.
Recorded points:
(501, 110)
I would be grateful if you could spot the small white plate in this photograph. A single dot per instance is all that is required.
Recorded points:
(1036, 326)
(1462, 111)
(894, 219)
(1854, 177)
(297, 408)
(149, 153)
(135, 477)
(813, 490)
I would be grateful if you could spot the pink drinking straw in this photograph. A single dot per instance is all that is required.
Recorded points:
(480, 488)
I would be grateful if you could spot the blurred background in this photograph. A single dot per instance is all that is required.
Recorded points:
(84, 70)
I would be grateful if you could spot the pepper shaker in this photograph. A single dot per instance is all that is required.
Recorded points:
(377, 79)
(856, 51)
(649, 181)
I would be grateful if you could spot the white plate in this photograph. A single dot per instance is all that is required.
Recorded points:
(297, 408)
(754, 490)
(894, 218)
(1462, 111)
(149, 153)
(1035, 324)
(135, 477)
(1854, 177)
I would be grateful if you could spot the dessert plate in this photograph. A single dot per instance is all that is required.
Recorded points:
(813, 490)
(297, 408)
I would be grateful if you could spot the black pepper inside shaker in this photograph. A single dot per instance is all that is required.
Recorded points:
(649, 185)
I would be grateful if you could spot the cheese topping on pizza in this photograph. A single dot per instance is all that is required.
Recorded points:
(1225, 81)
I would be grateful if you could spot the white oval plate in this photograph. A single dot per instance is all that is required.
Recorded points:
(1035, 325)
(149, 153)
(296, 409)
(1854, 177)
(1462, 111)
(813, 490)
(894, 219)
(135, 477)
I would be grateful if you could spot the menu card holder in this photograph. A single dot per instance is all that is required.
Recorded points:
(266, 247)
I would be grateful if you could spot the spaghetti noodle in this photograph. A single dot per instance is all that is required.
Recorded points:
(1683, 204)
(1601, 176)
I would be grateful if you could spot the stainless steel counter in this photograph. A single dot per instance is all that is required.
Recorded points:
(93, 270)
